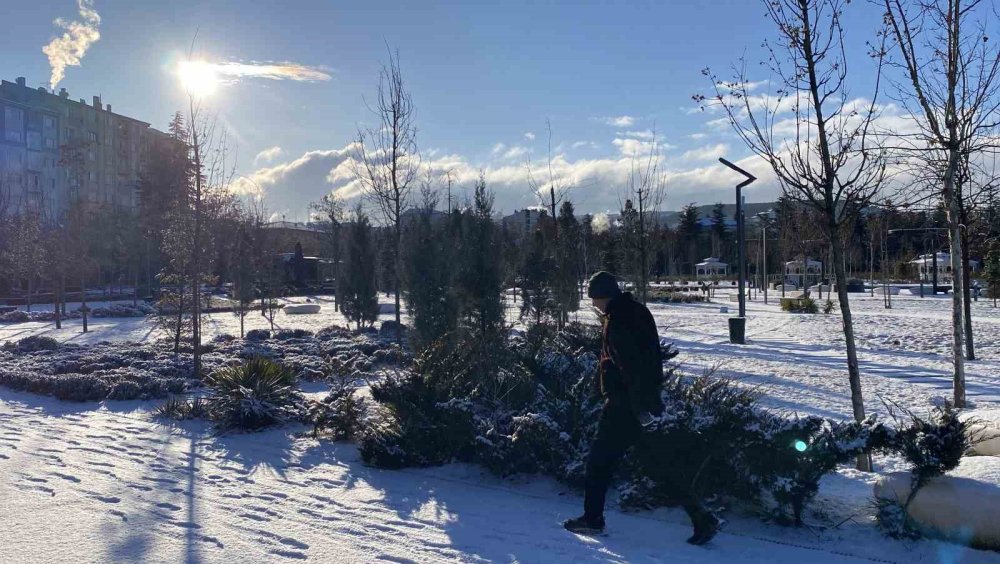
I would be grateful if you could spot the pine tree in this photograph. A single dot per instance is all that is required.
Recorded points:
(356, 287)
(719, 230)
(688, 234)
(538, 274)
(427, 275)
(567, 293)
(991, 271)
(479, 283)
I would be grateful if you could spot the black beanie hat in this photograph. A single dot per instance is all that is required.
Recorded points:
(603, 285)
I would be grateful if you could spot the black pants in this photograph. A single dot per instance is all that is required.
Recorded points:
(617, 431)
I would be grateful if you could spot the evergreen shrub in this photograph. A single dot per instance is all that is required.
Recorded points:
(252, 395)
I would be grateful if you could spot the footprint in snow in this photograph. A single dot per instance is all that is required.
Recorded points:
(255, 517)
(67, 477)
(289, 554)
(169, 506)
(118, 513)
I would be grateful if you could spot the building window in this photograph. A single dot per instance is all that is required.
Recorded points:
(50, 143)
(34, 140)
(92, 137)
(48, 121)
(13, 124)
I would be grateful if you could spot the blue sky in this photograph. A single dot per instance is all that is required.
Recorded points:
(484, 77)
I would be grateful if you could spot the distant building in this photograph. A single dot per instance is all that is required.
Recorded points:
(711, 267)
(523, 221)
(799, 272)
(54, 150)
(925, 267)
(285, 234)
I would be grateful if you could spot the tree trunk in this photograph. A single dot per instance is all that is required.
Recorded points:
(957, 308)
(83, 300)
(970, 349)
(180, 319)
(196, 250)
(395, 271)
(58, 300)
(853, 371)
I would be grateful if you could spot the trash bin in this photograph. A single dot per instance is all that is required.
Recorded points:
(737, 330)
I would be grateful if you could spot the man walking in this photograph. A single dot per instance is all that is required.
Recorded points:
(631, 374)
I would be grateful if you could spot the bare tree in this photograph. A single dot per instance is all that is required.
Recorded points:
(386, 161)
(646, 189)
(552, 192)
(816, 138)
(330, 209)
(950, 87)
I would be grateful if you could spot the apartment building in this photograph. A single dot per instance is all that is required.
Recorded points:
(55, 151)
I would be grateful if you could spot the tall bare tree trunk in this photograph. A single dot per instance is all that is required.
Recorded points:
(853, 369)
(196, 247)
(970, 348)
(957, 307)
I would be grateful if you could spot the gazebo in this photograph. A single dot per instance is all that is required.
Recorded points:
(798, 271)
(711, 267)
(925, 266)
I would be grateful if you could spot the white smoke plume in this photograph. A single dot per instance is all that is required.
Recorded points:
(600, 223)
(66, 51)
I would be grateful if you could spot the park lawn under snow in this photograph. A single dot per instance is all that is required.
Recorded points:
(83, 482)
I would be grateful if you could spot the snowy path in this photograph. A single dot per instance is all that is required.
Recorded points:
(83, 485)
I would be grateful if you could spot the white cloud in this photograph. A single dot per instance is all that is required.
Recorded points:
(231, 72)
(498, 148)
(69, 49)
(595, 183)
(529, 136)
(620, 121)
(515, 152)
(707, 152)
(268, 155)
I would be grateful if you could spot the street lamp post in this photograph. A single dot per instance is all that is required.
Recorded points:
(737, 325)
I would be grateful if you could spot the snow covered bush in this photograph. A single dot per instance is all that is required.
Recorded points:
(121, 310)
(180, 408)
(533, 412)
(286, 334)
(32, 344)
(78, 387)
(258, 335)
(931, 446)
(672, 297)
(252, 395)
(799, 305)
(16, 316)
(415, 425)
(338, 414)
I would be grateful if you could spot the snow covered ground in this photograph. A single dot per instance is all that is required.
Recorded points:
(82, 482)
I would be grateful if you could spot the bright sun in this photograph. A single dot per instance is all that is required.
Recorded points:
(198, 78)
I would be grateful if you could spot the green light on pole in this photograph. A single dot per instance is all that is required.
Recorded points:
(800, 446)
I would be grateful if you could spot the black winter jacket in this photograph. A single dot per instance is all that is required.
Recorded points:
(631, 360)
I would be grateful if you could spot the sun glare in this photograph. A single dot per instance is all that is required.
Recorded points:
(198, 78)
